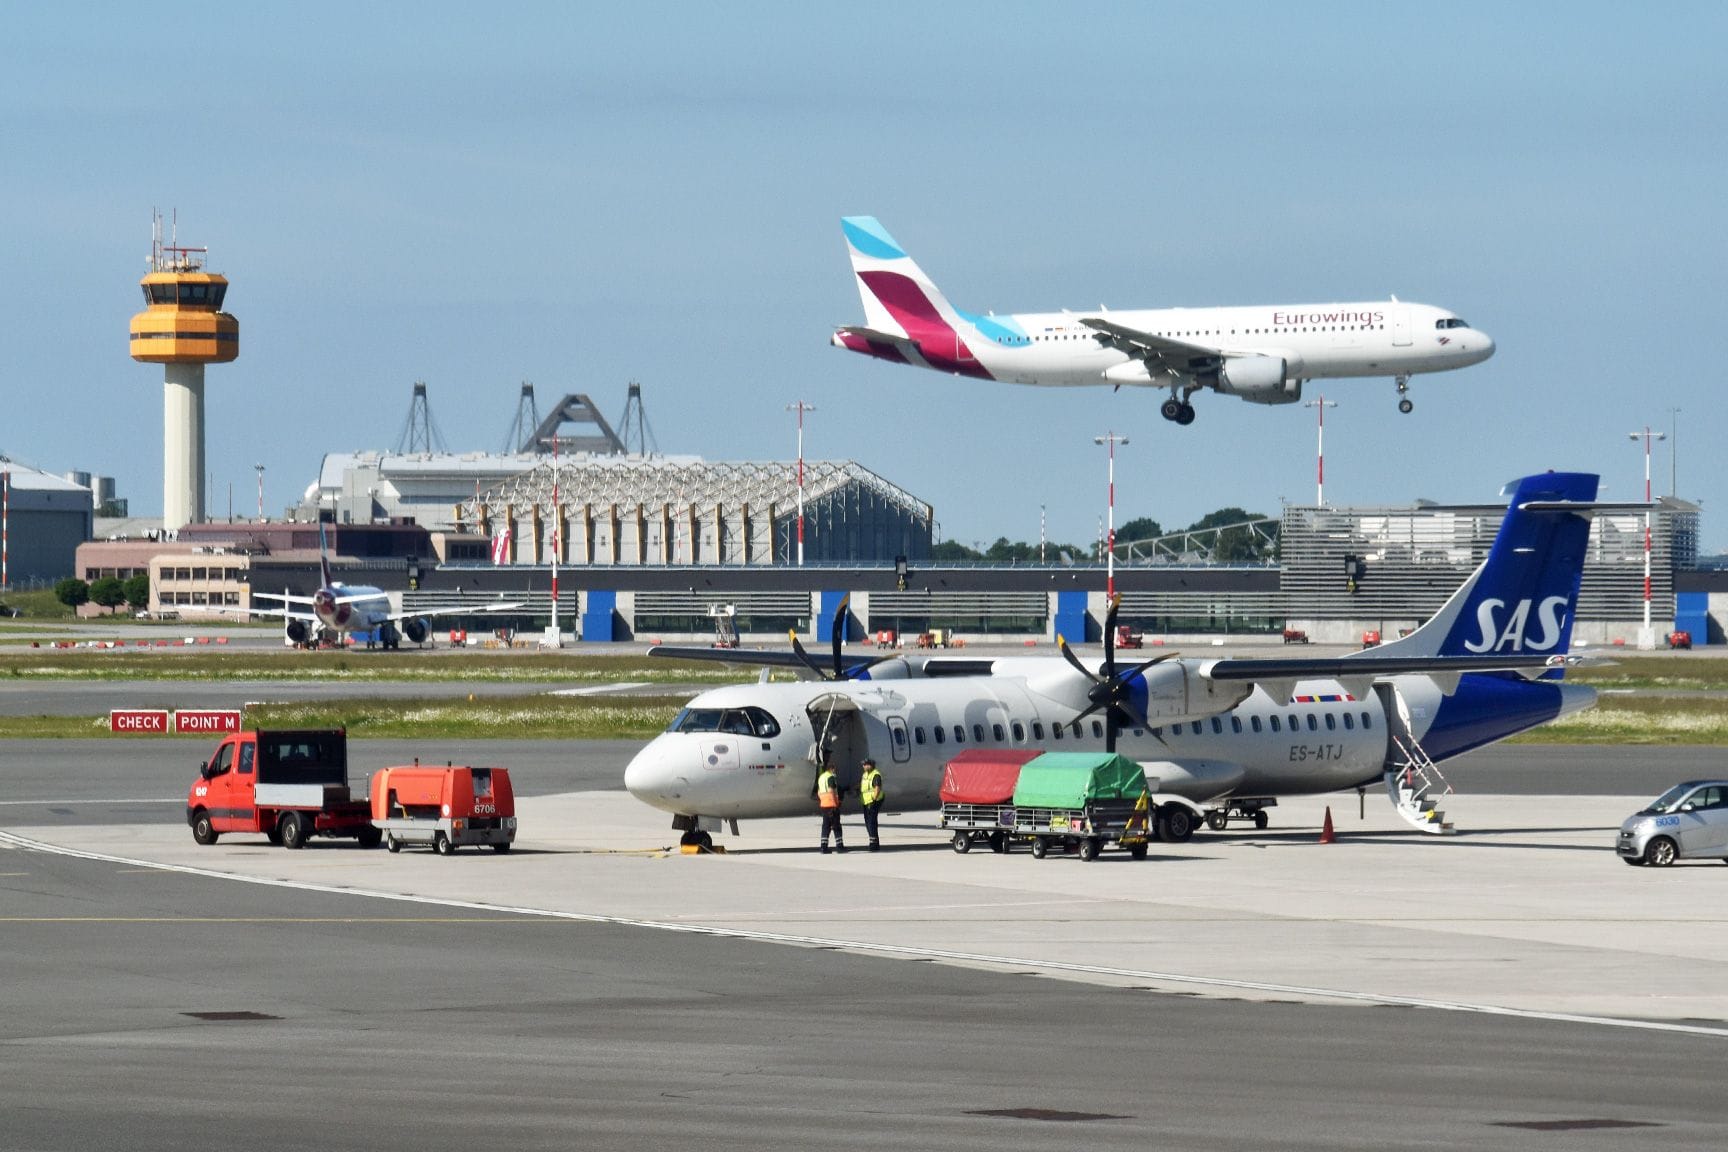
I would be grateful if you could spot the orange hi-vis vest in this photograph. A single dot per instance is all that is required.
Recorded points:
(828, 789)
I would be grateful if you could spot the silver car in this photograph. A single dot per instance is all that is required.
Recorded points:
(1689, 821)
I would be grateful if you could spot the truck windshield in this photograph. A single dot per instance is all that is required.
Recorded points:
(738, 721)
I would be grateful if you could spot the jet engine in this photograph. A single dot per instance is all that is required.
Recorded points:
(1258, 380)
(297, 631)
(415, 629)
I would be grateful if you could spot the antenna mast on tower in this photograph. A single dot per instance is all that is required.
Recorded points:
(420, 432)
(520, 438)
(638, 436)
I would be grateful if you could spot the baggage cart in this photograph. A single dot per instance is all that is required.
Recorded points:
(978, 796)
(1083, 801)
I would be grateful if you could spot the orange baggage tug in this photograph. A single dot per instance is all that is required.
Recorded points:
(444, 808)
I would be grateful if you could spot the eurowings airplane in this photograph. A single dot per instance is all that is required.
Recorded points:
(1212, 734)
(1261, 354)
(356, 609)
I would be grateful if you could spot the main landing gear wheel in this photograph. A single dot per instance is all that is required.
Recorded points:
(1175, 824)
(1171, 409)
(700, 840)
(1406, 406)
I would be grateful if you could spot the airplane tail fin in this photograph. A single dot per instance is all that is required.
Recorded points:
(899, 299)
(324, 559)
(1524, 596)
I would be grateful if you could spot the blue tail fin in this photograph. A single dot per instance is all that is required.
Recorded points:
(1524, 596)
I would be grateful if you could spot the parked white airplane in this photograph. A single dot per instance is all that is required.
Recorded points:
(356, 609)
(1262, 354)
(1213, 735)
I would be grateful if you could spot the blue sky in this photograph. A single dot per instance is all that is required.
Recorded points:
(581, 196)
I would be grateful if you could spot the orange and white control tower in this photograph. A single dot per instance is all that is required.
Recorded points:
(182, 328)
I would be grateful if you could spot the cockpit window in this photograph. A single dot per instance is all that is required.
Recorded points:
(1450, 322)
(737, 721)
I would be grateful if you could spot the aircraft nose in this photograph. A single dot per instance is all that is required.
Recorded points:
(650, 776)
(1484, 346)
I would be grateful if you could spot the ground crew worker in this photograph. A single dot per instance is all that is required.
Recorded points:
(828, 798)
(871, 795)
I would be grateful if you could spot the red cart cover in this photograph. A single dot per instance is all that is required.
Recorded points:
(984, 775)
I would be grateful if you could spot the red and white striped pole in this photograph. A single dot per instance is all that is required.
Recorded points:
(1322, 404)
(1111, 439)
(555, 535)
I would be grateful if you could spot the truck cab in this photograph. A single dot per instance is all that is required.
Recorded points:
(288, 785)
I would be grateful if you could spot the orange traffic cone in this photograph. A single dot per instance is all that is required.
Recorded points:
(1326, 834)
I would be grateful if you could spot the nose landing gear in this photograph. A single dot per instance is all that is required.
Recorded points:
(1404, 403)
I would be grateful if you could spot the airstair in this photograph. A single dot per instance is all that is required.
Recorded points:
(1414, 787)
(1414, 783)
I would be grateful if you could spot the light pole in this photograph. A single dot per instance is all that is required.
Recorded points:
(260, 469)
(1673, 452)
(1040, 533)
(1111, 439)
(1647, 634)
(800, 407)
(1320, 402)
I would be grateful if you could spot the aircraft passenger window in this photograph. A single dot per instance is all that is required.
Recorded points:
(1275, 727)
(959, 734)
(1098, 729)
(899, 735)
(1349, 722)
(1194, 727)
(1331, 722)
(1037, 729)
(1019, 731)
(996, 731)
(936, 730)
(1056, 731)
(1236, 724)
(978, 734)
(918, 734)
(1367, 722)
(1079, 730)
(1217, 726)
(1254, 722)
(1313, 724)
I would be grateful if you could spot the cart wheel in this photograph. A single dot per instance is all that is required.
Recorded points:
(998, 842)
(1138, 851)
(1217, 820)
(441, 844)
(392, 844)
(962, 842)
(1040, 847)
(1089, 848)
(369, 837)
(1261, 820)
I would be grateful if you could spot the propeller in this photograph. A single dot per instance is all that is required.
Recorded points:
(1112, 692)
(838, 630)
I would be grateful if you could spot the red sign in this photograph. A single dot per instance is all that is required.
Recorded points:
(205, 721)
(153, 721)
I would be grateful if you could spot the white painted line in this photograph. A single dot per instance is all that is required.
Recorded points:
(602, 689)
(13, 840)
(90, 800)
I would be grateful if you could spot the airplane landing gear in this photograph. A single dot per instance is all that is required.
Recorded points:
(1404, 402)
(1177, 411)
(696, 840)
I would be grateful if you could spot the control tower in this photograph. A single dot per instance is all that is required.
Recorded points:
(182, 328)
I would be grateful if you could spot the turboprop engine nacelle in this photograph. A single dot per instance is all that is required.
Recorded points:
(1175, 691)
(1258, 380)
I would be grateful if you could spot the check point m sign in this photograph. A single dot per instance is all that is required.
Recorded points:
(185, 722)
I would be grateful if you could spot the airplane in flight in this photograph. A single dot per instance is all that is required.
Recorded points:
(1262, 354)
(356, 609)
(1213, 735)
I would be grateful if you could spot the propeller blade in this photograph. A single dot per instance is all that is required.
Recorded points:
(804, 656)
(1068, 655)
(837, 629)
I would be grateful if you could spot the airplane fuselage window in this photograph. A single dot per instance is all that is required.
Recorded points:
(1367, 721)
(1236, 724)
(918, 734)
(1275, 726)
(959, 734)
(1331, 722)
(1056, 730)
(936, 731)
(1037, 729)
(1349, 722)
(978, 734)
(1098, 729)
(1313, 724)
(1019, 731)
(996, 731)
(1254, 722)
(1217, 726)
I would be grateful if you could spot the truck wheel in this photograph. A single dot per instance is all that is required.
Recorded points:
(962, 842)
(441, 844)
(1040, 848)
(999, 842)
(500, 847)
(1089, 848)
(293, 831)
(369, 837)
(274, 835)
(391, 843)
(203, 831)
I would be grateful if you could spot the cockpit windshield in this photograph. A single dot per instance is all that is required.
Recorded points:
(737, 721)
(1450, 322)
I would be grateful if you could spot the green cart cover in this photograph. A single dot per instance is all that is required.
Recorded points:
(1075, 779)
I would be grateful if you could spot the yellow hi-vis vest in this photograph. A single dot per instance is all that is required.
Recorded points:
(828, 789)
(870, 787)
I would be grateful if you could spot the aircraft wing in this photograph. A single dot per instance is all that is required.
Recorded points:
(1175, 354)
(282, 596)
(466, 610)
(284, 612)
(1278, 676)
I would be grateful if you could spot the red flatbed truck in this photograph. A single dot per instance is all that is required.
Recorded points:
(288, 785)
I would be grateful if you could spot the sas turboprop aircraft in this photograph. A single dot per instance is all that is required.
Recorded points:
(1214, 736)
(1261, 354)
(356, 609)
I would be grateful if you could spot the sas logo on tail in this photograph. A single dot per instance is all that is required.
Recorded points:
(1496, 637)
